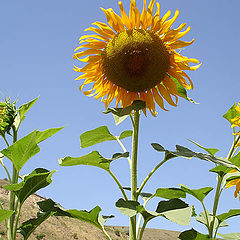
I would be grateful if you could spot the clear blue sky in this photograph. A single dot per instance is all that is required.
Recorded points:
(36, 48)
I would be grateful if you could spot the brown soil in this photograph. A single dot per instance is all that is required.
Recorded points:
(64, 228)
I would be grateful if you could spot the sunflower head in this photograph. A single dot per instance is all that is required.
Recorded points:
(7, 116)
(135, 57)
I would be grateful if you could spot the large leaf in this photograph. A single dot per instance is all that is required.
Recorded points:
(224, 169)
(92, 159)
(91, 217)
(4, 214)
(120, 114)
(229, 214)
(29, 226)
(31, 183)
(200, 194)
(23, 109)
(25, 148)
(98, 135)
(187, 153)
(174, 210)
(230, 236)
(22, 150)
(211, 151)
(193, 235)
(128, 208)
(231, 113)
(170, 193)
(42, 135)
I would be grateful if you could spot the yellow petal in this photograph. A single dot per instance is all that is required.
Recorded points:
(124, 16)
(86, 52)
(180, 44)
(167, 25)
(158, 99)
(165, 94)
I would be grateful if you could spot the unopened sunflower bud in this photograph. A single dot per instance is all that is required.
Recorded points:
(7, 116)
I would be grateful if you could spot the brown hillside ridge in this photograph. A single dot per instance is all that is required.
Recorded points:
(64, 228)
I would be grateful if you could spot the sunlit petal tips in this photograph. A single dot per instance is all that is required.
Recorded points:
(135, 57)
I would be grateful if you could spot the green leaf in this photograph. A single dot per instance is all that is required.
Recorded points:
(120, 114)
(22, 150)
(200, 194)
(4, 214)
(25, 148)
(125, 134)
(91, 217)
(23, 109)
(202, 218)
(174, 210)
(31, 183)
(42, 135)
(181, 90)
(231, 113)
(193, 235)
(230, 236)
(229, 214)
(170, 193)
(98, 135)
(211, 151)
(158, 147)
(29, 226)
(224, 169)
(93, 159)
(187, 153)
(128, 208)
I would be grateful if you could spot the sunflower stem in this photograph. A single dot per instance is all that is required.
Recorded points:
(12, 196)
(134, 196)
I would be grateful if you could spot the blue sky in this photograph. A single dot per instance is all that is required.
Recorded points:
(37, 42)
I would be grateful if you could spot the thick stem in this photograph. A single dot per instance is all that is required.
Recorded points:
(12, 196)
(134, 196)
(142, 230)
(216, 200)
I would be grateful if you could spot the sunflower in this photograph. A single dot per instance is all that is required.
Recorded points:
(135, 57)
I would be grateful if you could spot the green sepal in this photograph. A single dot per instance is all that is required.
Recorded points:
(181, 90)
(29, 226)
(31, 183)
(5, 214)
(93, 217)
(192, 234)
(231, 113)
(120, 114)
(199, 194)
